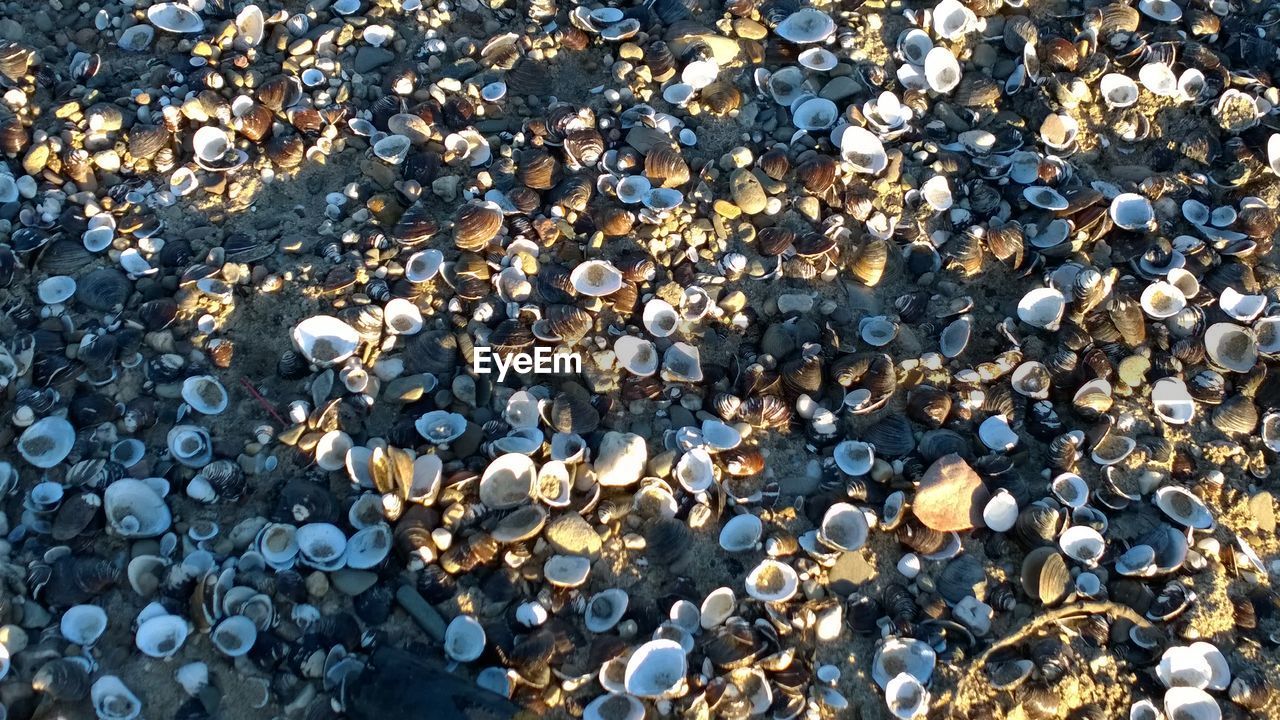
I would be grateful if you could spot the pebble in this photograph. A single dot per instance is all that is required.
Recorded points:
(571, 534)
(407, 389)
(352, 582)
(747, 192)
(1262, 507)
(369, 58)
(951, 496)
(839, 88)
(621, 460)
(317, 584)
(427, 617)
(749, 29)
(797, 303)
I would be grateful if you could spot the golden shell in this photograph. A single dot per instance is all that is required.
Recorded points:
(666, 167)
(721, 98)
(255, 123)
(538, 169)
(869, 266)
(817, 172)
(774, 163)
(614, 221)
(475, 225)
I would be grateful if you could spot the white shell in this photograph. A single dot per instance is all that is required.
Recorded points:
(1137, 561)
(1182, 279)
(1118, 90)
(175, 18)
(1070, 489)
(636, 355)
(205, 394)
(633, 188)
(1158, 78)
(899, 655)
(1042, 308)
(508, 481)
(321, 545)
(56, 290)
(937, 192)
(819, 59)
(368, 547)
(566, 571)
(1199, 665)
(656, 669)
(605, 609)
(716, 607)
(786, 85)
(914, 44)
(1132, 211)
(660, 318)
(402, 317)
(1240, 306)
(278, 545)
(1000, 511)
(1172, 402)
(807, 25)
(1162, 300)
(695, 471)
(137, 38)
(996, 434)
(614, 707)
(741, 533)
(423, 265)
(1231, 347)
(440, 427)
(1185, 703)
(663, 199)
(1162, 10)
(1273, 152)
(942, 70)
(951, 20)
(250, 25)
(815, 114)
(596, 278)
(678, 94)
(877, 330)
(234, 636)
(464, 639)
(955, 336)
(112, 700)
(854, 457)
(1059, 131)
(332, 449)
(905, 697)
(392, 149)
(47, 441)
(682, 363)
(700, 73)
(843, 527)
(135, 510)
(1184, 508)
(1267, 333)
(1045, 198)
(325, 340)
(469, 145)
(97, 239)
(1083, 544)
(861, 149)
(210, 144)
(772, 581)
(83, 624)
(190, 445)
(162, 636)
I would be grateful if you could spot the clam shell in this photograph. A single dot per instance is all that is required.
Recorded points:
(175, 17)
(325, 340)
(1042, 308)
(596, 278)
(321, 545)
(47, 442)
(162, 636)
(112, 700)
(1231, 347)
(566, 571)
(83, 624)
(903, 656)
(741, 533)
(1045, 576)
(843, 527)
(772, 581)
(234, 636)
(1188, 703)
(806, 26)
(1184, 508)
(508, 481)
(605, 609)
(205, 394)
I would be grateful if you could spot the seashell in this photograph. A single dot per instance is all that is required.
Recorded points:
(1118, 90)
(368, 547)
(772, 581)
(83, 625)
(1112, 449)
(741, 533)
(134, 510)
(805, 26)
(62, 679)
(1236, 415)
(205, 394)
(1083, 544)
(234, 636)
(902, 656)
(941, 70)
(1191, 703)
(175, 17)
(325, 340)
(853, 457)
(1231, 347)
(566, 571)
(112, 700)
(1250, 690)
(605, 610)
(843, 527)
(508, 481)
(475, 225)
(955, 337)
(1045, 576)
(1001, 511)
(162, 636)
(46, 442)
(1042, 308)
(1184, 508)
(656, 669)
(321, 546)
(862, 150)
(596, 278)
(573, 414)
(906, 697)
(815, 114)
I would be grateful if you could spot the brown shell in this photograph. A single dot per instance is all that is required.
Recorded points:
(146, 140)
(528, 77)
(1060, 55)
(15, 60)
(279, 92)
(774, 163)
(742, 461)
(575, 39)
(928, 405)
(817, 172)
(1202, 22)
(13, 137)
(614, 221)
(869, 265)
(976, 90)
(287, 151)
(475, 225)
(661, 61)
(584, 146)
(573, 192)
(721, 98)
(765, 411)
(774, 240)
(307, 120)
(1118, 17)
(538, 169)
(1018, 31)
(255, 123)
(665, 166)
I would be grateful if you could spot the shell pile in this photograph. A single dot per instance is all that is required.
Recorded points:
(913, 361)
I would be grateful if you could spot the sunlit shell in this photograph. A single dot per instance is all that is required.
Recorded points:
(605, 609)
(1045, 198)
(1083, 544)
(682, 363)
(942, 70)
(695, 471)
(205, 394)
(843, 527)
(805, 26)
(566, 571)
(1171, 400)
(1001, 511)
(1042, 308)
(1184, 508)
(853, 457)
(1158, 78)
(903, 655)
(1132, 211)
(175, 18)
(637, 356)
(633, 189)
(322, 546)
(1187, 703)
(596, 278)
(815, 114)
(656, 669)
(741, 533)
(1240, 306)
(862, 150)
(1231, 347)
(772, 581)
(508, 481)
(1118, 90)
(952, 20)
(325, 340)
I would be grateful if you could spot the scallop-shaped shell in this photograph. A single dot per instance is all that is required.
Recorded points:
(772, 581)
(741, 533)
(162, 636)
(325, 340)
(475, 225)
(508, 481)
(843, 527)
(605, 610)
(666, 166)
(83, 624)
(47, 442)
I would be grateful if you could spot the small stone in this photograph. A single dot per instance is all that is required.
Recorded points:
(353, 582)
(795, 303)
(749, 29)
(951, 496)
(407, 389)
(13, 638)
(1262, 507)
(370, 58)
(850, 571)
(317, 585)
(839, 88)
(727, 209)
(630, 51)
(570, 534)
(747, 192)
(446, 187)
(621, 460)
(427, 617)
(733, 302)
